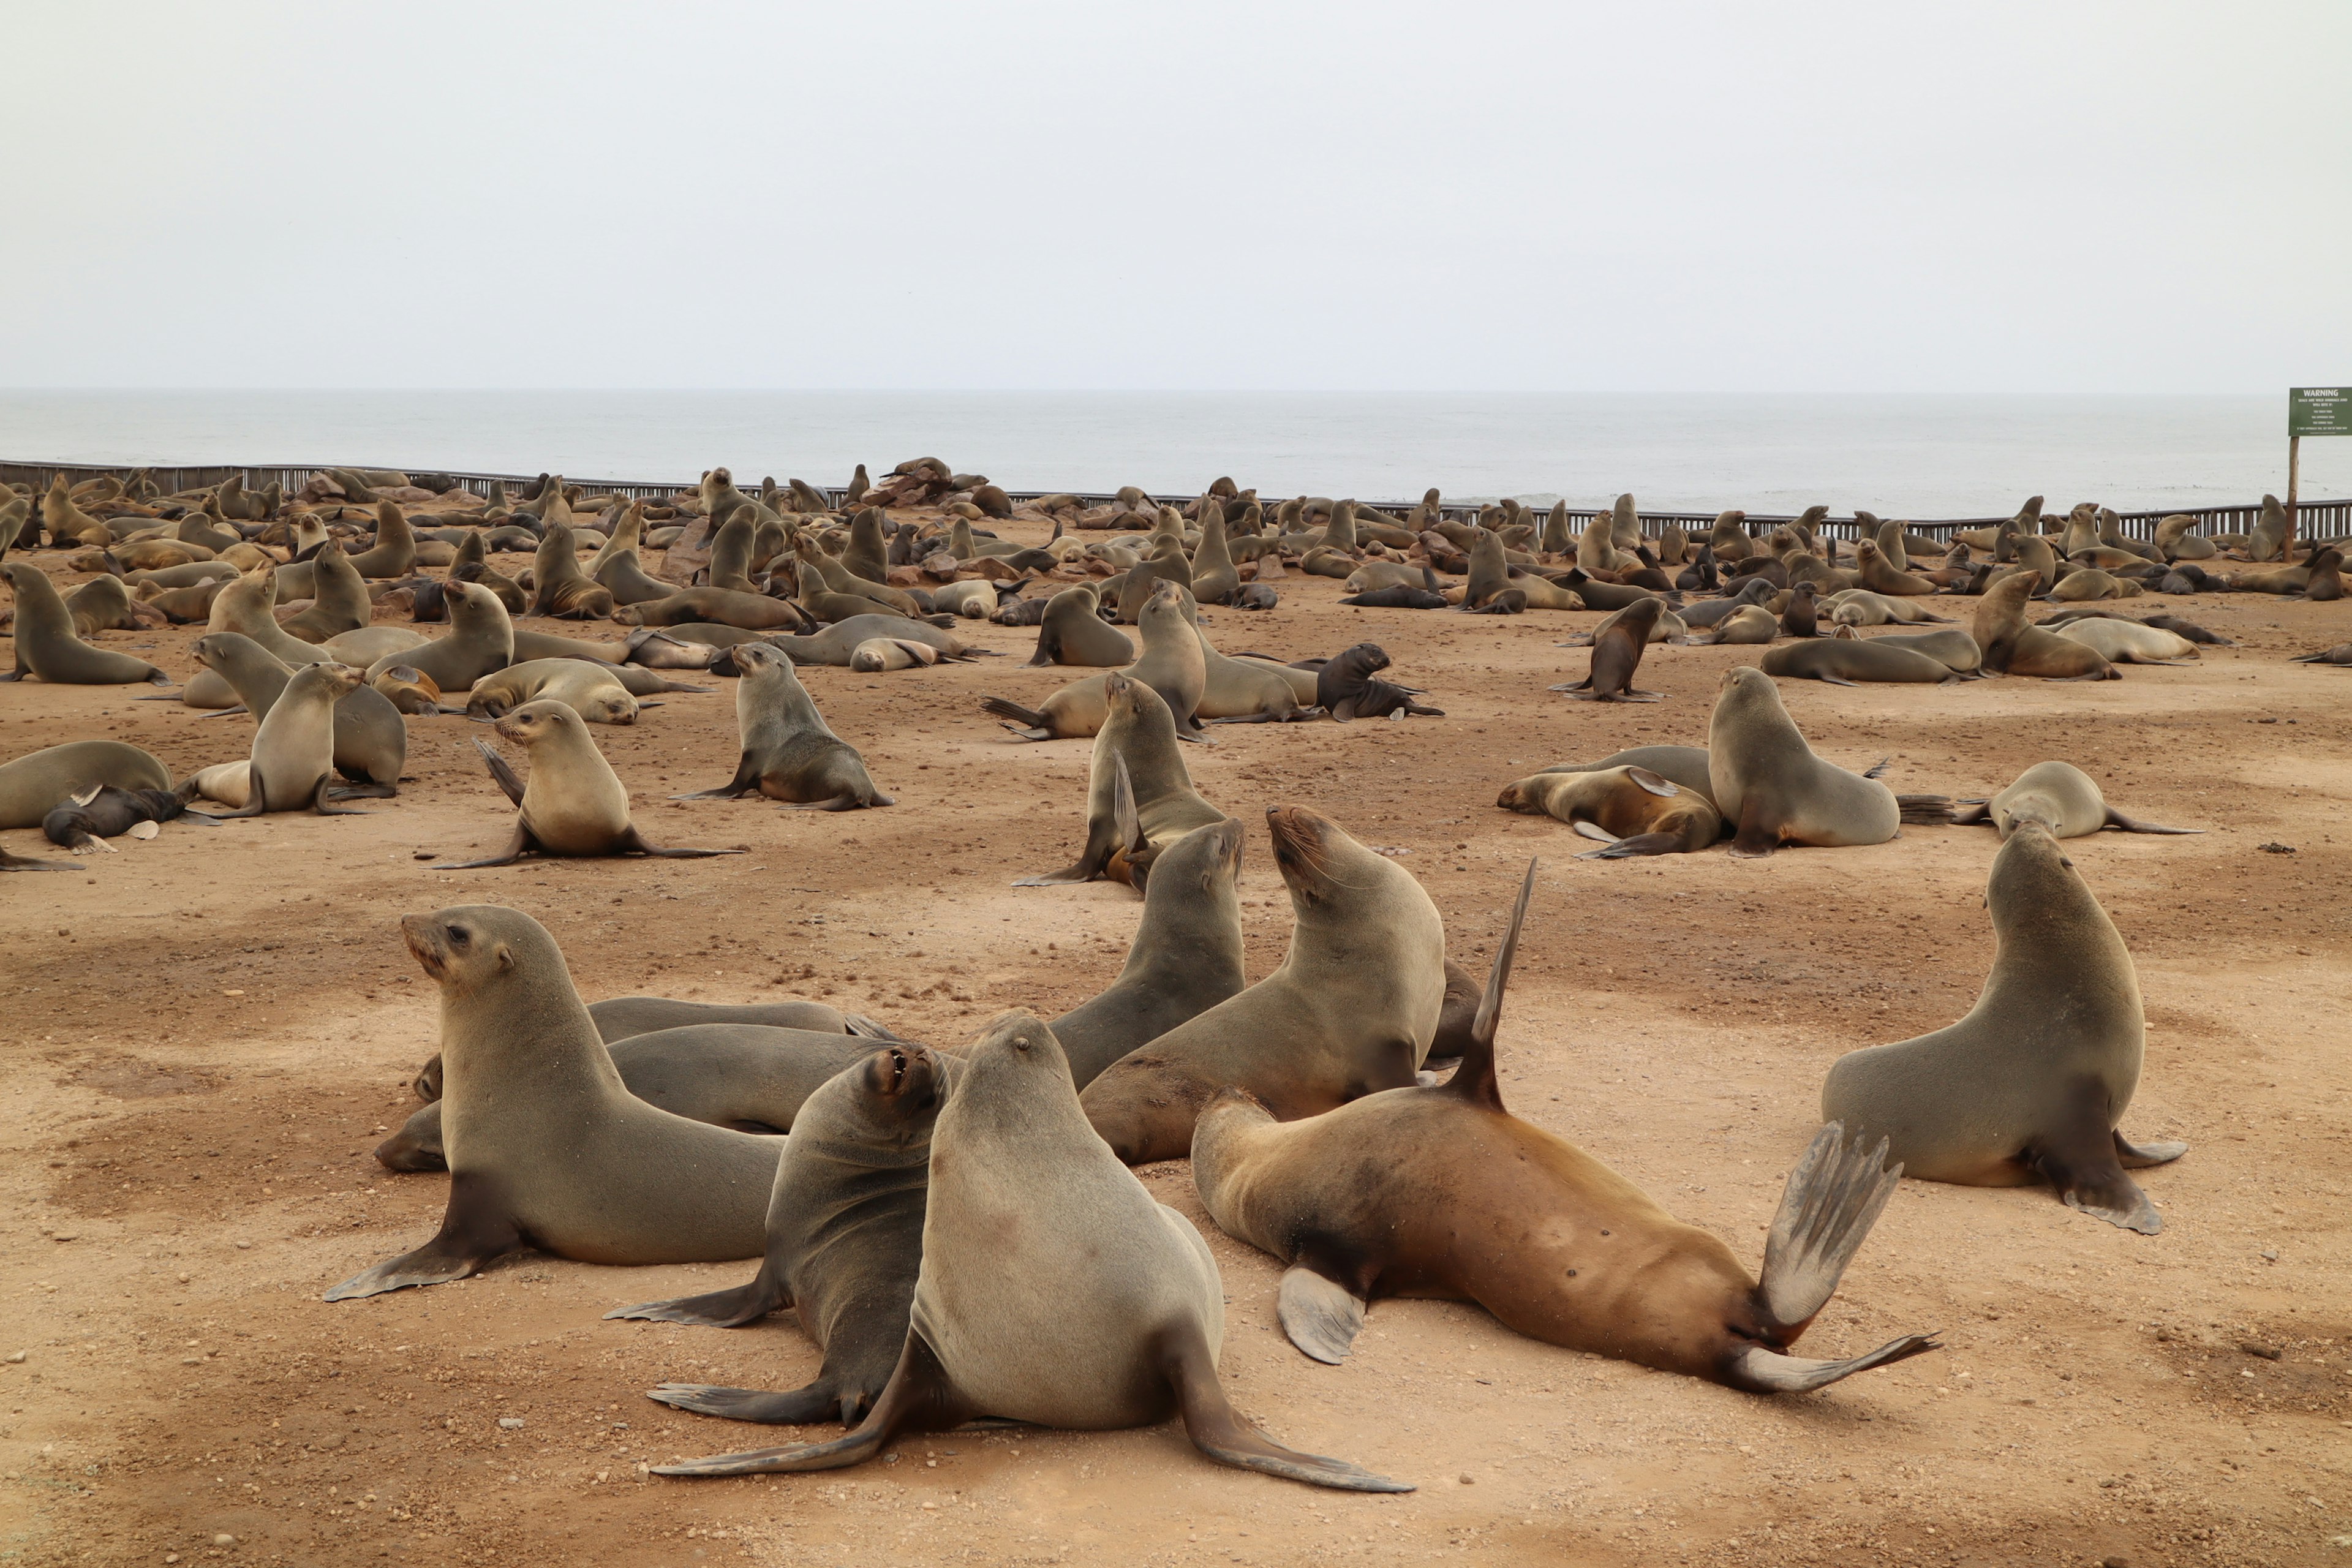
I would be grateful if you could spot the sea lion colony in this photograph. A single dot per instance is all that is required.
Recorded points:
(877, 1177)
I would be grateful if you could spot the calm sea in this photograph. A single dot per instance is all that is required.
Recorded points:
(1899, 456)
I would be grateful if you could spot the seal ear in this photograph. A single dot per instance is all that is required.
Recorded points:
(504, 958)
(1652, 782)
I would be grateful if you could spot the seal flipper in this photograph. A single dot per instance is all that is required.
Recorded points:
(1224, 1435)
(1639, 843)
(475, 1231)
(501, 774)
(746, 779)
(732, 1308)
(807, 1407)
(9, 862)
(1321, 1316)
(1832, 1197)
(1756, 838)
(1760, 1371)
(919, 1397)
(632, 842)
(1473, 1079)
(517, 847)
(2080, 1159)
(2138, 1159)
(2133, 824)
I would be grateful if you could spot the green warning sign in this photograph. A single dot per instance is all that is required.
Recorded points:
(2319, 411)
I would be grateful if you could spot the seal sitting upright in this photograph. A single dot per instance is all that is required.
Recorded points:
(2033, 1081)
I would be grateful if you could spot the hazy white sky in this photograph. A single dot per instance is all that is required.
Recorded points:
(2049, 196)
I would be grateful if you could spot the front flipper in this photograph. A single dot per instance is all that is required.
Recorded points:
(1321, 1316)
(476, 1230)
(2133, 824)
(918, 1398)
(2140, 1158)
(745, 1303)
(1757, 837)
(746, 780)
(633, 843)
(501, 774)
(2078, 1156)
(809, 1406)
(1224, 1435)
(1760, 1371)
(516, 848)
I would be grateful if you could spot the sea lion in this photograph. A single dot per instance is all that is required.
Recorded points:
(877, 655)
(371, 741)
(2089, 582)
(2129, 642)
(1849, 661)
(752, 612)
(1874, 572)
(1685, 766)
(1246, 690)
(1772, 789)
(1373, 575)
(574, 804)
(1216, 579)
(479, 641)
(2033, 1082)
(46, 644)
(1617, 654)
(621, 574)
(1172, 664)
(292, 765)
(33, 785)
(1860, 608)
(2063, 799)
(845, 1235)
(560, 588)
(1347, 688)
(1099, 1308)
(394, 551)
(2010, 645)
(1441, 1191)
(2268, 541)
(1140, 795)
(1352, 1008)
(2340, 654)
(1801, 616)
(545, 1146)
(592, 689)
(837, 644)
(1072, 631)
(1396, 598)
(1631, 810)
(1953, 648)
(971, 599)
(789, 754)
(86, 819)
(1749, 625)
(103, 605)
(366, 647)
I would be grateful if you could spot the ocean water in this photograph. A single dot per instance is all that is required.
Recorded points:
(1910, 456)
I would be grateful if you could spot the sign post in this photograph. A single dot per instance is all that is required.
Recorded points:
(2310, 411)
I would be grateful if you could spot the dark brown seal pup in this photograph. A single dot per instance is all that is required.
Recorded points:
(1617, 654)
(546, 1148)
(88, 818)
(789, 753)
(1346, 689)
(1054, 1289)
(1443, 1192)
(2032, 1084)
(844, 1243)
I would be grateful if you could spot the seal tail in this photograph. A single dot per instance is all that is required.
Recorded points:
(1833, 1196)
(1005, 708)
(1925, 808)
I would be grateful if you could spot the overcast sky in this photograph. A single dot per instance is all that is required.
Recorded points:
(2043, 197)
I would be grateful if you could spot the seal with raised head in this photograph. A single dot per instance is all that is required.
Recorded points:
(46, 644)
(1139, 795)
(844, 1243)
(1770, 786)
(1054, 1289)
(479, 641)
(574, 804)
(1631, 810)
(1352, 1009)
(789, 754)
(371, 738)
(1441, 1191)
(546, 1148)
(292, 765)
(1172, 664)
(2063, 799)
(2011, 645)
(1617, 654)
(2032, 1084)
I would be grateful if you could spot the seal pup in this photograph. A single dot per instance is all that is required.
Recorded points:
(545, 1146)
(2034, 1081)
(2063, 799)
(1186, 957)
(1630, 810)
(844, 1243)
(34, 784)
(1352, 1008)
(1617, 654)
(574, 804)
(46, 644)
(1440, 1191)
(88, 817)
(293, 762)
(371, 740)
(1347, 688)
(1172, 664)
(1770, 786)
(1100, 1308)
(1139, 795)
(789, 754)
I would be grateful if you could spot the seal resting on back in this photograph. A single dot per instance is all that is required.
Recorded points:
(2033, 1083)
(1443, 1192)
(1631, 810)
(546, 1148)
(1054, 1289)
(1352, 1009)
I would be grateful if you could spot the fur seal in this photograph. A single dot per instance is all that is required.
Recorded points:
(1140, 795)
(594, 690)
(1950, 646)
(409, 690)
(1631, 810)
(574, 804)
(366, 647)
(545, 1146)
(46, 644)
(1617, 653)
(394, 551)
(371, 741)
(1099, 1308)
(1347, 688)
(1749, 625)
(2034, 1081)
(33, 785)
(2129, 642)
(1352, 1009)
(1072, 631)
(751, 612)
(878, 655)
(481, 640)
(844, 1243)
(1850, 661)
(1685, 766)
(1772, 789)
(2063, 799)
(1173, 664)
(789, 754)
(88, 818)
(1441, 1191)
(559, 586)
(292, 765)
(837, 644)
(2013, 646)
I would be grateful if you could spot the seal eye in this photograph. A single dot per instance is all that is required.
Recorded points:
(459, 936)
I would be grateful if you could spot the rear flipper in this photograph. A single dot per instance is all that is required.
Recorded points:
(475, 1231)
(718, 1309)
(2136, 1159)
(1831, 1199)
(802, 1407)
(1224, 1435)
(1972, 813)
(1760, 1371)
(918, 1398)
(746, 780)
(1321, 1316)
(2133, 824)
(1925, 808)
(2082, 1159)
(1639, 843)
(501, 774)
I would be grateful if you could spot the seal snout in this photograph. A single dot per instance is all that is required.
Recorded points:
(423, 935)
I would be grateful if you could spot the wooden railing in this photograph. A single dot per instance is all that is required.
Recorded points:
(2315, 519)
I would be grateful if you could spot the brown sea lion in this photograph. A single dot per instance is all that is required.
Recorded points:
(2063, 799)
(1617, 654)
(1772, 789)
(1850, 661)
(1072, 631)
(1172, 664)
(2010, 645)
